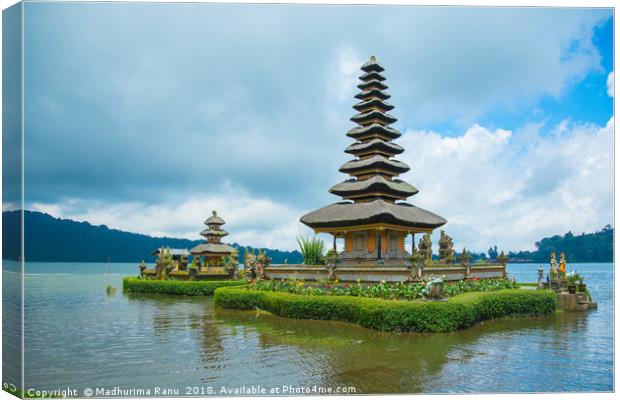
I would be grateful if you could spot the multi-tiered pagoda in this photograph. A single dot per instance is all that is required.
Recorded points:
(374, 219)
(213, 250)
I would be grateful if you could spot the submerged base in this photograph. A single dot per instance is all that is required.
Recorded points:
(574, 302)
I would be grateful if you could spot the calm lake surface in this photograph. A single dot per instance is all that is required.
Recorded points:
(77, 336)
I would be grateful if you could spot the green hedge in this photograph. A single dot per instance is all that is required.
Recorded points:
(393, 315)
(188, 288)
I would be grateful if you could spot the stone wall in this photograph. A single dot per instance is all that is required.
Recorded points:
(388, 273)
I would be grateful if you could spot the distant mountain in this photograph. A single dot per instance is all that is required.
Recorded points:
(587, 247)
(54, 239)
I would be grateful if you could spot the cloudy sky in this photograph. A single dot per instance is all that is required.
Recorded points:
(145, 117)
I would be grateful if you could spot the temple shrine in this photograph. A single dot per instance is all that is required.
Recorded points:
(212, 253)
(374, 218)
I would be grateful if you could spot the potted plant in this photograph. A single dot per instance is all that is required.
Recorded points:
(581, 287)
(571, 280)
(331, 257)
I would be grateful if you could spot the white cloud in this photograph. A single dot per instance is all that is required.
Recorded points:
(497, 187)
(259, 222)
(477, 61)
(8, 206)
(493, 187)
(342, 79)
(610, 84)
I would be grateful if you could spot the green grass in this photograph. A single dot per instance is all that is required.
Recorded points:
(458, 312)
(533, 284)
(187, 288)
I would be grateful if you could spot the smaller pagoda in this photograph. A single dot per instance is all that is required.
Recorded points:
(212, 252)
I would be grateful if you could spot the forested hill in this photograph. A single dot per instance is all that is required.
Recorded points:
(53, 239)
(587, 247)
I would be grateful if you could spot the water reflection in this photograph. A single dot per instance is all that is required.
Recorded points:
(78, 336)
(391, 362)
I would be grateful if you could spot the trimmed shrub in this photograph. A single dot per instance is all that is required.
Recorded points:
(394, 315)
(187, 288)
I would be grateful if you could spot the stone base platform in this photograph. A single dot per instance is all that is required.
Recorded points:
(574, 302)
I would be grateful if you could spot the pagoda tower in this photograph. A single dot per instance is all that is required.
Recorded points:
(213, 250)
(373, 218)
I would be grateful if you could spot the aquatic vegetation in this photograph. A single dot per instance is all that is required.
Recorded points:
(391, 315)
(312, 250)
(110, 290)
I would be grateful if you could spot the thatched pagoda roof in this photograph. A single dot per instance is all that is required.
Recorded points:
(372, 65)
(373, 130)
(367, 94)
(374, 145)
(373, 115)
(173, 252)
(372, 75)
(373, 103)
(346, 214)
(374, 162)
(214, 219)
(214, 232)
(394, 188)
(213, 248)
(372, 84)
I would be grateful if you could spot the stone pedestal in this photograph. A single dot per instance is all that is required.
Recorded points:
(574, 302)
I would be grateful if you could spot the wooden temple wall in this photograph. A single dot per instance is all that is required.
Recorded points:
(377, 273)
(372, 238)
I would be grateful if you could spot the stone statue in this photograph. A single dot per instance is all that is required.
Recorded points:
(502, 258)
(250, 264)
(553, 267)
(562, 264)
(425, 248)
(541, 283)
(464, 258)
(446, 252)
(142, 267)
(433, 289)
(262, 262)
(164, 265)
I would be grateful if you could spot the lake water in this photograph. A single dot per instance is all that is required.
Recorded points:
(76, 336)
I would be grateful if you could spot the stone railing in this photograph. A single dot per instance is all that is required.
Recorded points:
(377, 272)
